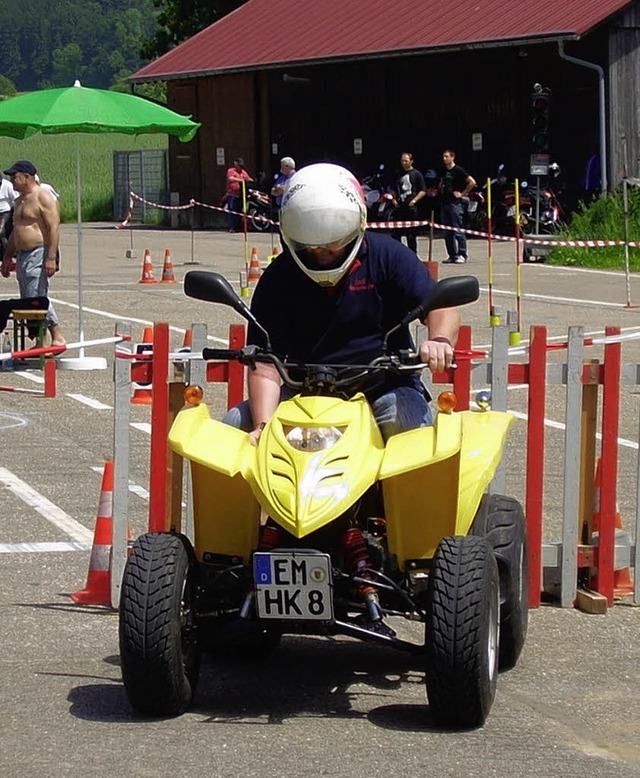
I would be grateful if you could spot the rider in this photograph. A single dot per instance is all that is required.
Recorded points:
(331, 296)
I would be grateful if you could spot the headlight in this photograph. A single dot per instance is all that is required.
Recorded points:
(313, 438)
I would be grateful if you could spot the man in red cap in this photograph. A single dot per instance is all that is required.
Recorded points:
(34, 241)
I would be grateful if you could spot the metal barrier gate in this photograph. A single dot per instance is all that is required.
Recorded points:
(592, 556)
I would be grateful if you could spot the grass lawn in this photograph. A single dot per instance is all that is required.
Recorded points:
(55, 158)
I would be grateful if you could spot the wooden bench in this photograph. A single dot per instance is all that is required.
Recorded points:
(21, 321)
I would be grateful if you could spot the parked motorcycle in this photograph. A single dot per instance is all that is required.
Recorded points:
(503, 205)
(358, 533)
(474, 207)
(378, 197)
(259, 208)
(547, 212)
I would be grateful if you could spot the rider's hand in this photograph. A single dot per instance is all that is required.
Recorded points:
(437, 354)
(4, 268)
(254, 435)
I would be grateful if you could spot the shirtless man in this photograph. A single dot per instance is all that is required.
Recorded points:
(34, 240)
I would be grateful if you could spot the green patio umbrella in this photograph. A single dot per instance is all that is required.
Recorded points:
(79, 109)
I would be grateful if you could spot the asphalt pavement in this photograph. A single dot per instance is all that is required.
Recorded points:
(314, 707)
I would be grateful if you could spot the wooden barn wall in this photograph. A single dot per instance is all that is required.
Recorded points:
(624, 96)
(227, 108)
(422, 104)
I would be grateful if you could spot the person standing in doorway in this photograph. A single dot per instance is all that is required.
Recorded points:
(236, 174)
(409, 190)
(455, 185)
(34, 240)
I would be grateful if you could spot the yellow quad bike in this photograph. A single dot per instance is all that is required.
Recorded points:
(322, 529)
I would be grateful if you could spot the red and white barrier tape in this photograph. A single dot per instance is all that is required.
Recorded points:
(400, 225)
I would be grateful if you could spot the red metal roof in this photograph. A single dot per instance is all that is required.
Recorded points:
(270, 33)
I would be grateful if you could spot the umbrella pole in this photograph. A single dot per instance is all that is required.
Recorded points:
(79, 228)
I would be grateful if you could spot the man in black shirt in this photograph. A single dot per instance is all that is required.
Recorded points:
(409, 190)
(456, 184)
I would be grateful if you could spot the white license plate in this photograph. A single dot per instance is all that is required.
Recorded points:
(473, 206)
(293, 585)
(511, 210)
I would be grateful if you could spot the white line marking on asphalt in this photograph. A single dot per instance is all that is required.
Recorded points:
(45, 507)
(553, 299)
(96, 404)
(42, 548)
(143, 426)
(134, 488)
(10, 421)
(37, 379)
(120, 317)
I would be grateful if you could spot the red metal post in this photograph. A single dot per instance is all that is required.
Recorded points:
(462, 374)
(50, 376)
(535, 458)
(235, 385)
(159, 429)
(604, 579)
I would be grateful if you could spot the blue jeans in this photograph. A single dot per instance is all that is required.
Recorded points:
(398, 410)
(234, 222)
(32, 279)
(452, 216)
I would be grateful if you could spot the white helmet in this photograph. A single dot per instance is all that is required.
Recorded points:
(323, 205)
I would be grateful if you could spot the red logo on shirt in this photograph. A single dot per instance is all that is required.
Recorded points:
(361, 285)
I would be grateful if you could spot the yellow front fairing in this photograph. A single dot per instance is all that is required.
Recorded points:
(432, 478)
(304, 490)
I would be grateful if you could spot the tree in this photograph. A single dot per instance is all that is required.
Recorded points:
(7, 87)
(178, 20)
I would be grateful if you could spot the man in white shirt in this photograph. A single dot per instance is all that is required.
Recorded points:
(7, 195)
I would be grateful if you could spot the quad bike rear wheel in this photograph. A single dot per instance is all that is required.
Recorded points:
(159, 651)
(501, 520)
(462, 632)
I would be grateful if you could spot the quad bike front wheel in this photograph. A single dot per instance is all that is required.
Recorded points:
(159, 651)
(501, 521)
(462, 632)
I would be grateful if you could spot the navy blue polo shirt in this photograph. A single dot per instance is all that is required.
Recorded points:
(343, 324)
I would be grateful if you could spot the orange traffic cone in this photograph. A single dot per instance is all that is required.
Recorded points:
(179, 367)
(168, 276)
(276, 250)
(622, 583)
(147, 269)
(98, 588)
(142, 392)
(254, 267)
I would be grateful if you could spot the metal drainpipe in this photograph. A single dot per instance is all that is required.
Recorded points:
(602, 111)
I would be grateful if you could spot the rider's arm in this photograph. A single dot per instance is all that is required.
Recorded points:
(437, 350)
(263, 385)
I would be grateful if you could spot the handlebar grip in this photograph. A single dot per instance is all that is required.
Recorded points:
(225, 354)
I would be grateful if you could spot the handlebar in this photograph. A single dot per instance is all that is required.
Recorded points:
(319, 377)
